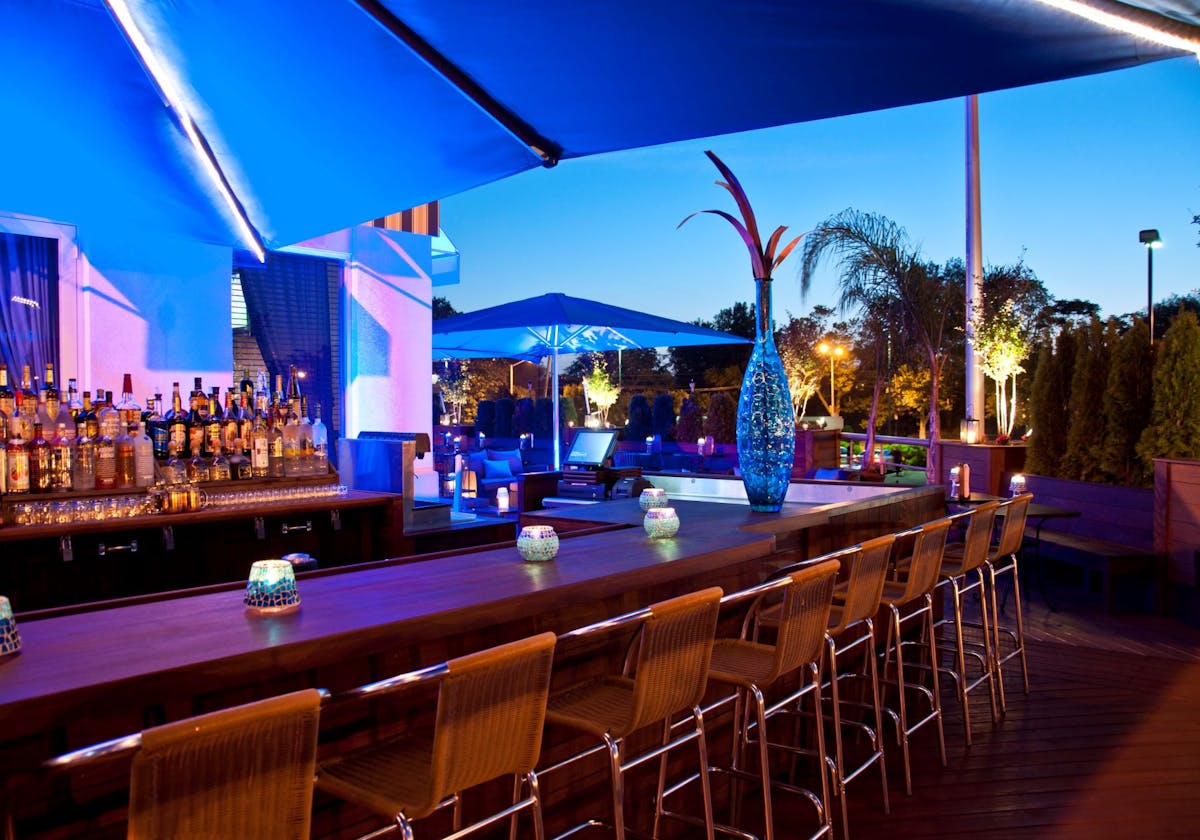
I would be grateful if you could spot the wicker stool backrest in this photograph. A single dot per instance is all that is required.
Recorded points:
(803, 618)
(240, 772)
(868, 571)
(927, 554)
(674, 650)
(491, 707)
(1013, 531)
(979, 536)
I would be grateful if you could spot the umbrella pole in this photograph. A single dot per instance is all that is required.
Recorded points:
(557, 425)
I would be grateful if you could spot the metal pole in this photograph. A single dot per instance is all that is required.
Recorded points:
(1150, 291)
(974, 284)
(557, 425)
(832, 398)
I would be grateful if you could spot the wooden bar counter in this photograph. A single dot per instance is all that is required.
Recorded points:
(102, 673)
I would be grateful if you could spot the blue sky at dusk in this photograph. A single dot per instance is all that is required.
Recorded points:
(1071, 171)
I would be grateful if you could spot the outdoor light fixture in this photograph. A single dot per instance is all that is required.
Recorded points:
(1151, 240)
(968, 430)
(833, 351)
(164, 79)
(1123, 24)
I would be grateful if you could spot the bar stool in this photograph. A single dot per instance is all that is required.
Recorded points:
(958, 562)
(855, 603)
(752, 667)
(910, 602)
(490, 711)
(669, 660)
(1002, 560)
(240, 772)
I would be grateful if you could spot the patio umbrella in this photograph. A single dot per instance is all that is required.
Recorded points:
(266, 123)
(556, 323)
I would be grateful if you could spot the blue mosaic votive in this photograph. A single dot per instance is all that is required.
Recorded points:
(10, 637)
(537, 543)
(653, 497)
(661, 522)
(271, 587)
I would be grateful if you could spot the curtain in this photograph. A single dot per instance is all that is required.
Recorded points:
(29, 306)
(291, 305)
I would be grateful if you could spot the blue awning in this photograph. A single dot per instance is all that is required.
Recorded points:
(326, 113)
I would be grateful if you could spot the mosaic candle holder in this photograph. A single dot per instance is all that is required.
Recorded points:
(661, 522)
(10, 637)
(653, 497)
(271, 587)
(537, 543)
(1016, 486)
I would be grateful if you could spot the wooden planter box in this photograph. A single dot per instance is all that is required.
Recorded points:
(1177, 516)
(991, 465)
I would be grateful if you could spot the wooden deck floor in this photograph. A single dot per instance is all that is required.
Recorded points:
(1107, 745)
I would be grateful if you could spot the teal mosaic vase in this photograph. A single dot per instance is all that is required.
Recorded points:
(766, 427)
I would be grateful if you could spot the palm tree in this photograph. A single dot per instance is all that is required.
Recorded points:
(883, 277)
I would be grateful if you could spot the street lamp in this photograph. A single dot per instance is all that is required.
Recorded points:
(833, 351)
(511, 368)
(1151, 240)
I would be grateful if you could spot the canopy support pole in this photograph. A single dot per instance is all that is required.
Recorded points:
(549, 151)
(557, 425)
(974, 278)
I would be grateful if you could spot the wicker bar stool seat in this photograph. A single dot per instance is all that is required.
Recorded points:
(963, 572)
(490, 711)
(911, 602)
(752, 667)
(1002, 560)
(246, 771)
(666, 674)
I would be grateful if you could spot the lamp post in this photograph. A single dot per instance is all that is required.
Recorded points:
(833, 351)
(1151, 240)
(511, 368)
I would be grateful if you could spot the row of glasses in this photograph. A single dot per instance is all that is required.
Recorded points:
(275, 495)
(82, 510)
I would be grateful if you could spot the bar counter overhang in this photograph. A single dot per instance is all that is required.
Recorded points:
(101, 674)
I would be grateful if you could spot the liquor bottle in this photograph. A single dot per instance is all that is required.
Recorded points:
(218, 467)
(41, 462)
(109, 419)
(212, 423)
(320, 436)
(127, 409)
(245, 418)
(64, 422)
(240, 468)
(86, 423)
(17, 455)
(292, 464)
(177, 421)
(174, 471)
(275, 467)
(50, 398)
(143, 456)
(198, 392)
(306, 439)
(83, 468)
(260, 448)
(106, 462)
(8, 400)
(156, 427)
(73, 402)
(126, 463)
(62, 451)
(151, 403)
(3, 454)
(246, 386)
(278, 404)
(197, 465)
(195, 421)
(26, 406)
(229, 424)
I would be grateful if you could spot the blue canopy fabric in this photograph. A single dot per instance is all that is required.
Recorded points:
(326, 113)
(556, 323)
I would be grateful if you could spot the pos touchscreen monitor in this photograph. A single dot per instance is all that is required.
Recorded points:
(591, 448)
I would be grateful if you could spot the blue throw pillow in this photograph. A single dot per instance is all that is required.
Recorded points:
(513, 456)
(497, 469)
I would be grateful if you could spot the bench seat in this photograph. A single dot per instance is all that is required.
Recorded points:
(1107, 559)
